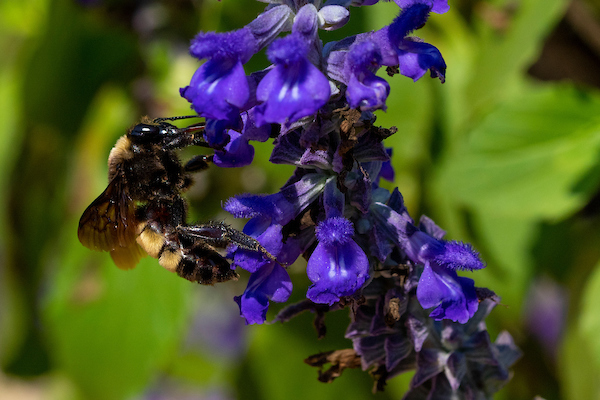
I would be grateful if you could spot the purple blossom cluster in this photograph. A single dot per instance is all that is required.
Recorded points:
(317, 101)
(391, 334)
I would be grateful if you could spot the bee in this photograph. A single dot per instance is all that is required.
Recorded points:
(142, 210)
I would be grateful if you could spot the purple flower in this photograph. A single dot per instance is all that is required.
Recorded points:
(267, 213)
(281, 207)
(238, 152)
(338, 266)
(215, 134)
(268, 216)
(269, 236)
(365, 89)
(358, 3)
(294, 88)
(416, 58)
(437, 6)
(219, 88)
(270, 282)
(452, 296)
(413, 57)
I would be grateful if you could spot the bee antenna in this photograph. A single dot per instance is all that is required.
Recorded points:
(156, 120)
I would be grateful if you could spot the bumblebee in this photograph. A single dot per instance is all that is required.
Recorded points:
(142, 210)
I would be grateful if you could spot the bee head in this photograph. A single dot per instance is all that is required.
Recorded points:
(150, 133)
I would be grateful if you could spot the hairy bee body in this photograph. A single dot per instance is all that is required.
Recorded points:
(142, 211)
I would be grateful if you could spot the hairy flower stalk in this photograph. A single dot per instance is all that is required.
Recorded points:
(410, 308)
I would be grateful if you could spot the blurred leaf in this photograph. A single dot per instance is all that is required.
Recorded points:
(276, 369)
(111, 330)
(578, 369)
(484, 68)
(13, 311)
(536, 156)
(22, 18)
(580, 361)
(506, 244)
(589, 321)
(75, 55)
(509, 53)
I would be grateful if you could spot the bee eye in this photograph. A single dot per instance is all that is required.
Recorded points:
(146, 133)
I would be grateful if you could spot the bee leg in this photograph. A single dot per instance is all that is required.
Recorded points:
(198, 163)
(178, 211)
(221, 235)
(157, 120)
(185, 137)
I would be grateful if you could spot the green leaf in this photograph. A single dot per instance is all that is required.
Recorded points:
(579, 373)
(589, 321)
(536, 156)
(484, 68)
(580, 356)
(13, 310)
(506, 243)
(112, 330)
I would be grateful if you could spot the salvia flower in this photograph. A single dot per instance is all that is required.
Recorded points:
(270, 282)
(414, 57)
(365, 89)
(219, 88)
(294, 88)
(409, 307)
(237, 151)
(338, 267)
(439, 286)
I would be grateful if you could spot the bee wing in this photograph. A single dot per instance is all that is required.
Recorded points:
(109, 224)
(127, 257)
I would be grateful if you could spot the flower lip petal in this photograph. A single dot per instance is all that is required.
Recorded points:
(270, 282)
(452, 296)
(415, 58)
(336, 271)
(237, 153)
(218, 90)
(370, 94)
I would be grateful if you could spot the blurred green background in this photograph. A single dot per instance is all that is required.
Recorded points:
(505, 154)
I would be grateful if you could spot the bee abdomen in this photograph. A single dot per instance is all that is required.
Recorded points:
(170, 258)
(150, 240)
(205, 267)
